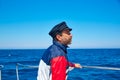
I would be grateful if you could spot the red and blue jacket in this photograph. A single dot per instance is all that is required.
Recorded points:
(54, 63)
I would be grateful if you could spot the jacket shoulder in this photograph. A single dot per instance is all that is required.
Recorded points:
(56, 51)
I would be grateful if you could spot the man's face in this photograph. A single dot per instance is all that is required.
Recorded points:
(66, 37)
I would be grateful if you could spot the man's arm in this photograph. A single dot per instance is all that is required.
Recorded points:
(76, 65)
(58, 68)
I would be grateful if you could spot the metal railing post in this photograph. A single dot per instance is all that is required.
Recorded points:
(27, 66)
(17, 75)
(1, 66)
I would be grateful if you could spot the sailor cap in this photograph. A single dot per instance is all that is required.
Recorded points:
(57, 29)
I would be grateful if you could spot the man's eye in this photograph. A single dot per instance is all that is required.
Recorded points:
(68, 33)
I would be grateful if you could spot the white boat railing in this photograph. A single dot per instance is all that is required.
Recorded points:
(29, 66)
(1, 66)
(101, 67)
(24, 66)
(95, 67)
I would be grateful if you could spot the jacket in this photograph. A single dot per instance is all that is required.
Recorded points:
(54, 63)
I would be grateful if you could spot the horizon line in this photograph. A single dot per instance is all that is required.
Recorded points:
(46, 48)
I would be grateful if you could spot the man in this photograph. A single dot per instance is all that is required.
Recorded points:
(54, 63)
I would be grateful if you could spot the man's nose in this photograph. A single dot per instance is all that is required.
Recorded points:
(70, 35)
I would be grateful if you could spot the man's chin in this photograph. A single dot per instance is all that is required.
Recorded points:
(69, 43)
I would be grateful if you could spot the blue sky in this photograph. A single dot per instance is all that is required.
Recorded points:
(26, 23)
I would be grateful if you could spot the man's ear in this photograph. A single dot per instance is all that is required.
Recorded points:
(58, 37)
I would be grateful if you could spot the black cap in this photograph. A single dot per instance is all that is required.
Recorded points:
(58, 29)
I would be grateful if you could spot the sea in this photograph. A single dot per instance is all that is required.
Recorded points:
(29, 58)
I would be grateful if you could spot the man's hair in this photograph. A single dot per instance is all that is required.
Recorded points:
(55, 38)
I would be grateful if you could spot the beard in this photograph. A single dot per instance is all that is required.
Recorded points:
(67, 41)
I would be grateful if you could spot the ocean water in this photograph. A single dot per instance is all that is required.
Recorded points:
(89, 57)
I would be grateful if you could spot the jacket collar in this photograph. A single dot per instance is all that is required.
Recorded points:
(63, 47)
